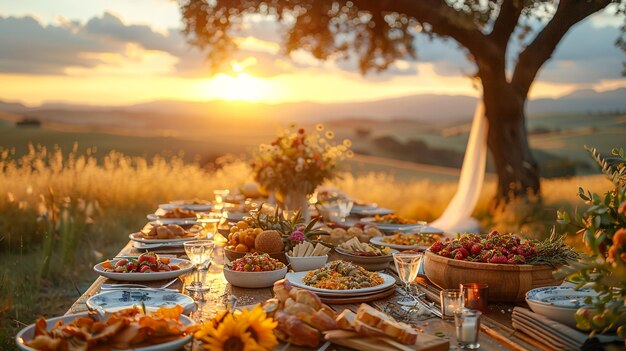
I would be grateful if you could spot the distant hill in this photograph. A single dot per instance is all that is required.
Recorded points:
(427, 108)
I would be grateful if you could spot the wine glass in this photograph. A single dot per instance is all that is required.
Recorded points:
(344, 205)
(407, 266)
(220, 195)
(199, 252)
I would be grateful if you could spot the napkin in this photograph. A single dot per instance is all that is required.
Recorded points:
(553, 334)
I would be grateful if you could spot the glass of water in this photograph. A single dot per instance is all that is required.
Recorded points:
(199, 253)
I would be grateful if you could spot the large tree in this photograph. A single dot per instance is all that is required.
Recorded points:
(378, 32)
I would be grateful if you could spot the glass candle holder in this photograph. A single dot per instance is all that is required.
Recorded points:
(476, 296)
(451, 301)
(467, 325)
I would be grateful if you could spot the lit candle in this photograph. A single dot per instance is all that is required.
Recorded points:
(468, 331)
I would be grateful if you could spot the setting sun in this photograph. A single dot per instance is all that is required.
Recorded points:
(241, 87)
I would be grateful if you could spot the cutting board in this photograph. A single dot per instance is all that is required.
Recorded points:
(425, 342)
(358, 299)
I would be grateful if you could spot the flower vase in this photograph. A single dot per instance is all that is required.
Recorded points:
(297, 200)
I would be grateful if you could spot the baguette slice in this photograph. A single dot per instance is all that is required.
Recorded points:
(345, 320)
(367, 330)
(374, 318)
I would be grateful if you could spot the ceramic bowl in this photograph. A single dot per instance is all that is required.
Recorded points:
(254, 279)
(233, 255)
(558, 303)
(307, 263)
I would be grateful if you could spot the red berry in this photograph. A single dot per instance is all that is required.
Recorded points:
(436, 247)
(463, 252)
(445, 253)
(459, 256)
(498, 259)
(476, 249)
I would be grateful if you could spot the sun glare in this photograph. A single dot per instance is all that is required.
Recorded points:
(241, 86)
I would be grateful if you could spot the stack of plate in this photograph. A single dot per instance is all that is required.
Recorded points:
(383, 290)
(559, 303)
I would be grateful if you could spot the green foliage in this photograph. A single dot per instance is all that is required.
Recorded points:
(603, 229)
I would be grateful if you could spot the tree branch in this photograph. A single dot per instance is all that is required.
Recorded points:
(445, 21)
(568, 13)
(510, 11)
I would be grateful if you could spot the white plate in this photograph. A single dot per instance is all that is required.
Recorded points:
(370, 210)
(143, 246)
(115, 300)
(236, 216)
(179, 204)
(378, 240)
(296, 280)
(27, 334)
(384, 226)
(154, 217)
(185, 266)
(139, 238)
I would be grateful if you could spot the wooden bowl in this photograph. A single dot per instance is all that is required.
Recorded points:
(233, 255)
(507, 282)
(371, 263)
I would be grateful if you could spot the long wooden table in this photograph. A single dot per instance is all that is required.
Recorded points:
(496, 331)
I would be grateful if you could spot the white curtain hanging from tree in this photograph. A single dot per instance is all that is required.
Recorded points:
(457, 217)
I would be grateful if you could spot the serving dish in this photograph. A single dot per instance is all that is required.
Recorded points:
(138, 237)
(28, 333)
(152, 299)
(507, 282)
(391, 226)
(185, 267)
(371, 263)
(378, 240)
(233, 255)
(254, 279)
(306, 263)
(369, 210)
(296, 280)
(195, 205)
(559, 303)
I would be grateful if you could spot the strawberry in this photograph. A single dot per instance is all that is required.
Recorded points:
(445, 253)
(510, 261)
(459, 256)
(499, 259)
(476, 249)
(436, 247)
(493, 234)
(463, 251)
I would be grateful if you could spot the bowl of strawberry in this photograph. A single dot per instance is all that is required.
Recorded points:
(509, 265)
(254, 270)
(145, 267)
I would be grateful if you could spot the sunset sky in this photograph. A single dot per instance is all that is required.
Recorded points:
(129, 51)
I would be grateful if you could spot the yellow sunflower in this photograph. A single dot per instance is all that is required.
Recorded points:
(230, 335)
(260, 327)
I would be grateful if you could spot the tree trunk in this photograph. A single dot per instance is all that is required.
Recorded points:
(518, 172)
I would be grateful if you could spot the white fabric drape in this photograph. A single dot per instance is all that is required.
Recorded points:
(458, 215)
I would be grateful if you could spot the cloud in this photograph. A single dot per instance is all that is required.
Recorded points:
(29, 47)
(586, 55)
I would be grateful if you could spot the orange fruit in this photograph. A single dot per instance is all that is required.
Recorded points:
(249, 241)
(241, 248)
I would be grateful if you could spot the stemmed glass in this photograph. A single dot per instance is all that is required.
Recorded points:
(220, 195)
(199, 252)
(407, 265)
(344, 205)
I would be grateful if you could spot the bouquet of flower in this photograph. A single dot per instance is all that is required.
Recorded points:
(298, 161)
(248, 330)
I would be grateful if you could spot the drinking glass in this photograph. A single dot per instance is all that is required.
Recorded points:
(407, 265)
(467, 323)
(199, 253)
(220, 194)
(344, 205)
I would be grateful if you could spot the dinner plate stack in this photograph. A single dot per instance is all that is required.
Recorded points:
(346, 296)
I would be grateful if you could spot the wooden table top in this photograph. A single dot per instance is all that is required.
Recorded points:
(496, 331)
